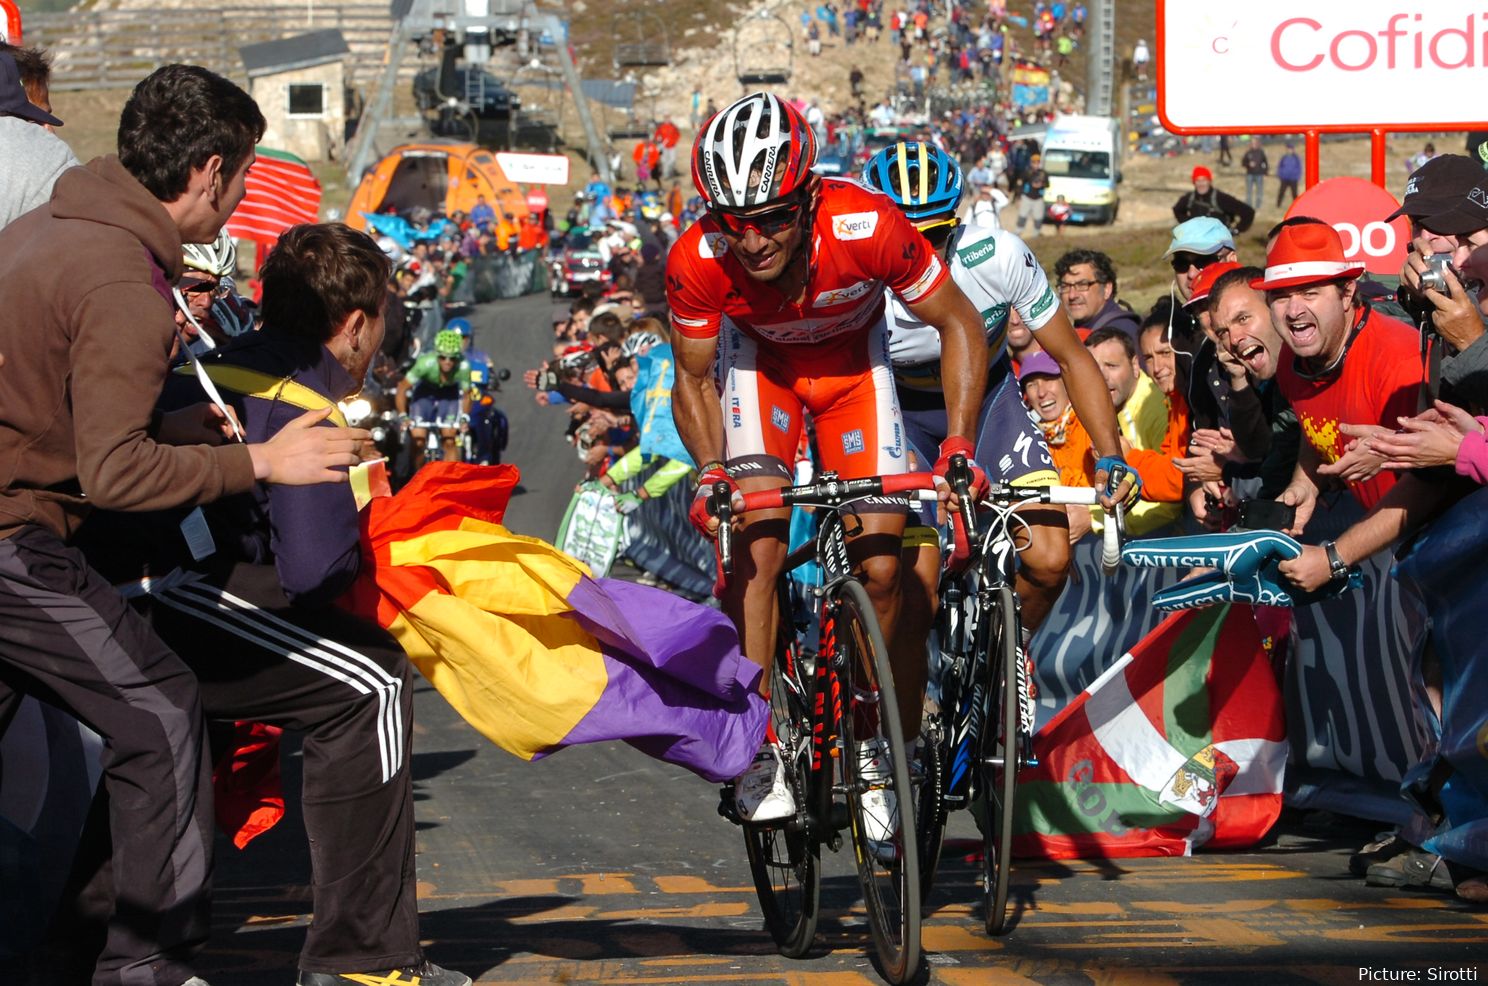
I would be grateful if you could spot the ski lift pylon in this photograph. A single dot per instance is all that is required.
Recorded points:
(764, 51)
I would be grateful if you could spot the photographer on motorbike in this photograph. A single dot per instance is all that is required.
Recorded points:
(439, 383)
(488, 425)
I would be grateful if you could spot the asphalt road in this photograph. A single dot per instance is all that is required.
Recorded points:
(599, 865)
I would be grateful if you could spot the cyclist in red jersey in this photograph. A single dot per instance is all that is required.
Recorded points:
(776, 297)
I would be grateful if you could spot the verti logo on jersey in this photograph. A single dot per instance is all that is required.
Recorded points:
(977, 253)
(839, 296)
(854, 225)
(780, 418)
(712, 246)
(738, 413)
(1042, 305)
(917, 290)
(852, 441)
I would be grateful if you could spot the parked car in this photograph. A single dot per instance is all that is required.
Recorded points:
(576, 261)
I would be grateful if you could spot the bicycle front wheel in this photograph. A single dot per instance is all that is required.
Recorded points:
(785, 856)
(875, 773)
(1003, 743)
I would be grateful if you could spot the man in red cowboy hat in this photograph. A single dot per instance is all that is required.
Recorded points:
(1348, 365)
(1206, 200)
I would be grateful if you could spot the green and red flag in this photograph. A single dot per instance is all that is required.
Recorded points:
(1180, 744)
(282, 192)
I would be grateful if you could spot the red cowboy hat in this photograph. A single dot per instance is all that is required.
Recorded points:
(1310, 253)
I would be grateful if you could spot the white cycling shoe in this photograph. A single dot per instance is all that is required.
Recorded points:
(762, 793)
(880, 804)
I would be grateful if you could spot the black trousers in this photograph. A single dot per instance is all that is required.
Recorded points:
(68, 637)
(343, 683)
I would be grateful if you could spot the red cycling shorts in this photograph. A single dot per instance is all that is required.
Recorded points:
(848, 390)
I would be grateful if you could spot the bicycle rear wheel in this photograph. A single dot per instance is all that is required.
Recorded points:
(887, 854)
(785, 856)
(1001, 752)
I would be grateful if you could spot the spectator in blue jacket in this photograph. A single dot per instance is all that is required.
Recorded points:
(1288, 174)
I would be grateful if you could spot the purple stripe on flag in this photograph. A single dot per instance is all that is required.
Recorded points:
(679, 688)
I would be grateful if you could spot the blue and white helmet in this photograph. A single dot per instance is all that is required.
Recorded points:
(923, 180)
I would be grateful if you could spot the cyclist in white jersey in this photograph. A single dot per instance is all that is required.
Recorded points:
(995, 270)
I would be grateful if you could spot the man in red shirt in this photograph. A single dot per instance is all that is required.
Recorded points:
(1349, 365)
(666, 138)
(781, 285)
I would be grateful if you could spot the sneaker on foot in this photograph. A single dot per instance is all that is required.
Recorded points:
(426, 973)
(880, 804)
(1415, 868)
(762, 793)
(1386, 846)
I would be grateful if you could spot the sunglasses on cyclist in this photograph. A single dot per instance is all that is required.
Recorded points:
(764, 223)
(1183, 261)
(938, 232)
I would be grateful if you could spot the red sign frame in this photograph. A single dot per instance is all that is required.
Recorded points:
(1311, 134)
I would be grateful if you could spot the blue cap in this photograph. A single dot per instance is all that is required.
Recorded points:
(1204, 235)
(459, 325)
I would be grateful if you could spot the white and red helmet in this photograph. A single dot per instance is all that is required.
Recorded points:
(754, 151)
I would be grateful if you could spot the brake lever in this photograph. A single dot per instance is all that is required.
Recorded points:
(721, 506)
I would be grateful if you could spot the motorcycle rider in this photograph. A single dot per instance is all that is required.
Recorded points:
(488, 425)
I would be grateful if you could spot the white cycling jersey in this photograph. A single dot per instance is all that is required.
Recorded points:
(992, 267)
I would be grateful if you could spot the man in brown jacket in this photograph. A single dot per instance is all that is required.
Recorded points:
(86, 324)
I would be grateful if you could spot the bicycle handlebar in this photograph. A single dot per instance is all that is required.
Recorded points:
(830, 493)
(916, 486)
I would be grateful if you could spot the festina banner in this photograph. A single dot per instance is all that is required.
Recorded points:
(1182, 743)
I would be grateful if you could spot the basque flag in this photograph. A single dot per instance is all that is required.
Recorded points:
(1181, 743)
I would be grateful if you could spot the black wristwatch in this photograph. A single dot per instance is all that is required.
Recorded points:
(1336, 567)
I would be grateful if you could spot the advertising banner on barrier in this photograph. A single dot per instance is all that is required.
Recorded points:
(1320, 65)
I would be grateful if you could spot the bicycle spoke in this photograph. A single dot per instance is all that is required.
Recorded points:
(879, 793)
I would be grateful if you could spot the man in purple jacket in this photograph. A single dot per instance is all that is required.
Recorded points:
(249, 608)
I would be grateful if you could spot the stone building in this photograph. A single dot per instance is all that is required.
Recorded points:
(300, 84)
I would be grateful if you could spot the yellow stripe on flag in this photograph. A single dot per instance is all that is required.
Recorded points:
(497, 644)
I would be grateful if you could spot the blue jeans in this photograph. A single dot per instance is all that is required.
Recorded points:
(1253, 190)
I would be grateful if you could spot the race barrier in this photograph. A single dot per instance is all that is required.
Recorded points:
(1351, 725)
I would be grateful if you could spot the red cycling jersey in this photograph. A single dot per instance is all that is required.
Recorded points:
(860, 243)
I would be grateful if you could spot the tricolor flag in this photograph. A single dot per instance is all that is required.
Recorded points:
(282, 192)
(1182, 743)
(536, 654)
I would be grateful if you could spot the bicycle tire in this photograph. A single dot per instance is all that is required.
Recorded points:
(785, 857)
(1001, 752)
(891, 890)
(930, 806)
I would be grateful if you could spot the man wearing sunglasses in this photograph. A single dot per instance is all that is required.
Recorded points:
(998, 274)
(782, 285)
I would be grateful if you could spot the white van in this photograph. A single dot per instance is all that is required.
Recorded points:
(1082, 157)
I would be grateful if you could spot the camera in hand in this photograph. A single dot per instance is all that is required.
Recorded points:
(1434, 277)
